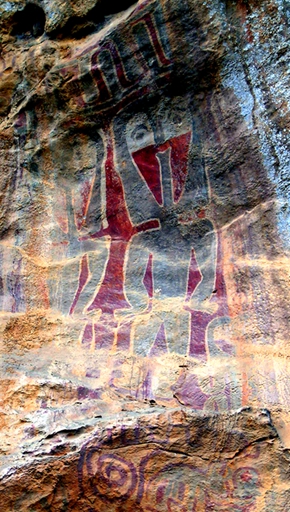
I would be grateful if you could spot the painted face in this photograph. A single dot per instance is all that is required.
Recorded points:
(139, 133)
(172, 133)
(141, 144)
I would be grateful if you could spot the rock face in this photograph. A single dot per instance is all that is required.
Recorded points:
(144, 256)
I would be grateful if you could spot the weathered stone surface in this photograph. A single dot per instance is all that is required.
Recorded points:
(144, 256)
(160, 461)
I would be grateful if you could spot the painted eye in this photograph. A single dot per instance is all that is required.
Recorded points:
(139, 132)
(140, 135)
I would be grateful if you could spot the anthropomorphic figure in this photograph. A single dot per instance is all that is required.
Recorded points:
(172, 186)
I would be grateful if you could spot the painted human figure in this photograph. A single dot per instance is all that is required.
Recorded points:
(166, 153)
(115, 226)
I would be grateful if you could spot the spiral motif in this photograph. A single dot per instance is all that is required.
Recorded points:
(112, 476)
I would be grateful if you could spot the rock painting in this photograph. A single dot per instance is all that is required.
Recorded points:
(144, 284)
(165, 270)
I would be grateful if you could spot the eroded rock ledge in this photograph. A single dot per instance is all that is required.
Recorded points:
(155, 461)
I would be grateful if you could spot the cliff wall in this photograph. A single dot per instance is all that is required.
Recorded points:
(144, 256)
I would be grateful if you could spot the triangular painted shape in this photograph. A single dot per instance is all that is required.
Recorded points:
(159, 346)
(148, 166)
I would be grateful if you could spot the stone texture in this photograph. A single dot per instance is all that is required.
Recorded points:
(144, 268)
(161, 461)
